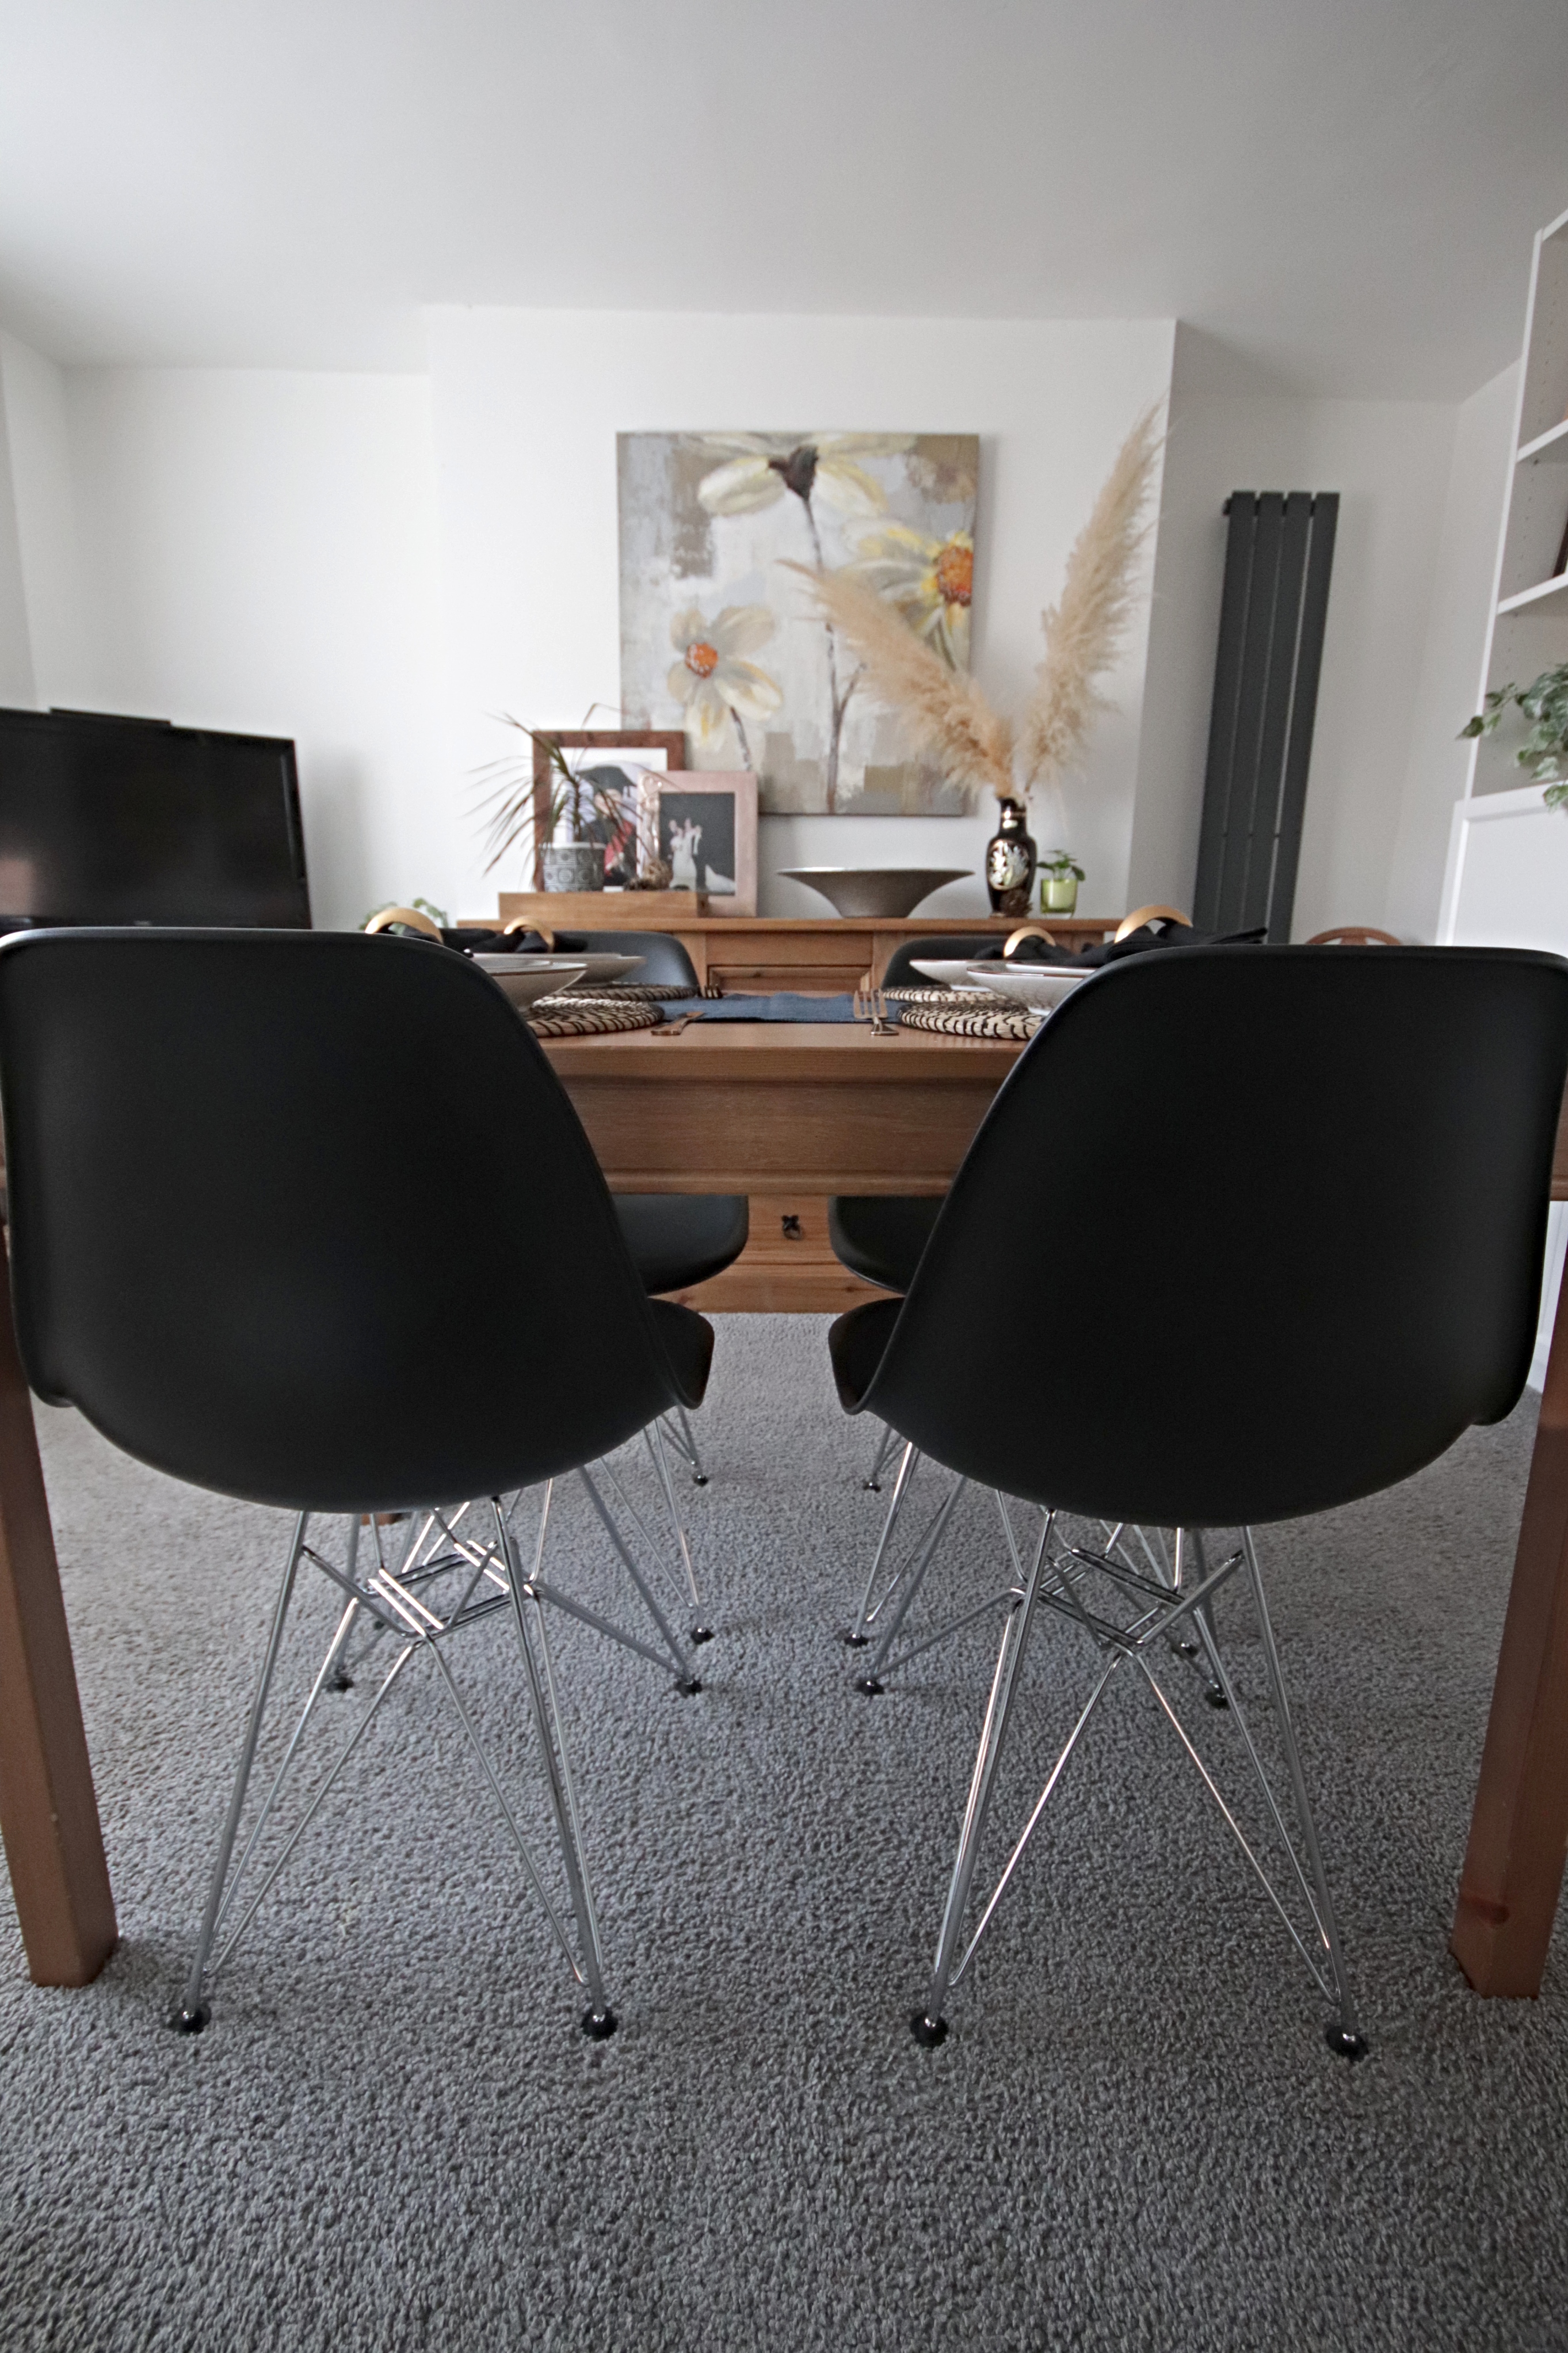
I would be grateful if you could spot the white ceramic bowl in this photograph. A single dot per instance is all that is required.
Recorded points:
(1039, 985)
(526, 977)
(943, 973)
(594, 965)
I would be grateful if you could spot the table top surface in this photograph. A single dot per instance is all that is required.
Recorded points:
(784, 1052)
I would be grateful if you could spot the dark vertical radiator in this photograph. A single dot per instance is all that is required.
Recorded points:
(1277, 560)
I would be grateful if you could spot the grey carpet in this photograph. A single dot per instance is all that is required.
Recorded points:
(392, 2134)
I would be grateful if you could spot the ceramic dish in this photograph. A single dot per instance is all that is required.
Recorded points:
(1041, 985)
(948, 974)
(526, 977)
(594, 966)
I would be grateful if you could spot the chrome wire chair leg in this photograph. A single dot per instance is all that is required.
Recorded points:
(913, 1576)
(856, 1636)
(683, 1438)
(193, 2013)
(687, 1679)
(599, 2018)
(700, 1630)
(885, 1445)
(1341, 2034)
(929, 2025)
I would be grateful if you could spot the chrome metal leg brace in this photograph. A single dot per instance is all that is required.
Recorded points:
(885, 1446)
(598, 2019)
(393, 1605)
(676, 1428)
(929, 2025)
(856, 1636)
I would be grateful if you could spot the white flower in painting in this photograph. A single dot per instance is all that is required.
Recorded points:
(761, 467)
(712, 680)
(929, 580)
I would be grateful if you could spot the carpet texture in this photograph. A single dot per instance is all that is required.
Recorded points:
(392, 2134)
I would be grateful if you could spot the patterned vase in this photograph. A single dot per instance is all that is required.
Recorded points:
(573, 866)
(1010, 856)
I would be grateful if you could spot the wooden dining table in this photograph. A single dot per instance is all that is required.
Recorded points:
(761, 1109)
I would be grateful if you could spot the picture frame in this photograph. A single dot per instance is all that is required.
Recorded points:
(662, 747)
(704, 821)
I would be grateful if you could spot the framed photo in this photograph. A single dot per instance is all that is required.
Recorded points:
(619, 761)
(705, 823)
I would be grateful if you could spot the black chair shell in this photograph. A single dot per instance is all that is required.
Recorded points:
(1293, 1204)
(676, 1239)
(307, 1219)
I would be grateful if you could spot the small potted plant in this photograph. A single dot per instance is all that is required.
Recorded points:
(1060, 875)
(1544, 751)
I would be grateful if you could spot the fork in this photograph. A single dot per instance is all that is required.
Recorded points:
(870, 1005)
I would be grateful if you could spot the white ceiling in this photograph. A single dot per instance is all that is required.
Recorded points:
(1339, 193)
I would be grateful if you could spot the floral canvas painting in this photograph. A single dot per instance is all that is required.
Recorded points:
(719, 634)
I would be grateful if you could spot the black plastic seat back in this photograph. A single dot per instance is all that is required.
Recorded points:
(900, 972)
(665, 961)
(307, 1218)
(1288, 1207)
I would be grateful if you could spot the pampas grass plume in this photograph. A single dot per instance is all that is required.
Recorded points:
(1084, 628)
(943, 709)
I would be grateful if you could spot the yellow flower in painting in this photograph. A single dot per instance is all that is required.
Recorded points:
(763, 465)
(930, 581)
(712, 680)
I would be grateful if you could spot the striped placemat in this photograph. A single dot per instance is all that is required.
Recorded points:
(554, 1017)
(962, 1018)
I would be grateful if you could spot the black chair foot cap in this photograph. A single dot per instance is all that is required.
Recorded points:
(189, 2020)
(688, 1686)
(850, 1639)
(870, 1686)
(700, 1478)
(928, 2032)
(339, 1681)
(872, 1486)
(1214, 1694)
(702, 1633)
(1184, 1650)
(1345, 2041)
(598, 2025)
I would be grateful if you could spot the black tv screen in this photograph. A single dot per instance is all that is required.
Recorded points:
(110, 820)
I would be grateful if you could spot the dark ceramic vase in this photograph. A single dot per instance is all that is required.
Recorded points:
(1010, 861)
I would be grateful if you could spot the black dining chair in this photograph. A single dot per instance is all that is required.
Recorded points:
(676, 1239)
(211, 1262)
(1311, 1191)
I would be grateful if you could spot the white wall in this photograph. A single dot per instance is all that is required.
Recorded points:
(258, 552)
(1390, 462)
(527, 408)
(38, 451)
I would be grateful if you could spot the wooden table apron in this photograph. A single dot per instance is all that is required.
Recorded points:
(714, 1111)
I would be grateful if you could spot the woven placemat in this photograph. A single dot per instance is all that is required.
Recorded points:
(956, 997)
(1010, 1021)
(626, 992)
(550, 1017)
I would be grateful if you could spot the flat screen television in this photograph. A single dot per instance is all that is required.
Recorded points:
(112, 820)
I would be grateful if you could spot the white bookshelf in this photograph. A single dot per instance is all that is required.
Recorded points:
(1507, 880)
(1527, 632)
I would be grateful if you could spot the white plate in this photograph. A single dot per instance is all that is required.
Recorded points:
(949, 976)
(595, 964)
(526, 977)
(1041, 985)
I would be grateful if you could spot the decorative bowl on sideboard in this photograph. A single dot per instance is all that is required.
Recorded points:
(890, 891)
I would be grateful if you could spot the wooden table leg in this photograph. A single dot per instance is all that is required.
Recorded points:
(1518, 1829)
(48, 1814)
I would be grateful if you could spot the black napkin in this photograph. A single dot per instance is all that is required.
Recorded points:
(474, 942)
(1035, 950)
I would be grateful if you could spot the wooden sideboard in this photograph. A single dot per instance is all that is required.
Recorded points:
(821, 955)
(787, 1266)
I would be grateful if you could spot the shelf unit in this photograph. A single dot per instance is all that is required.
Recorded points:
(1528, 626)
